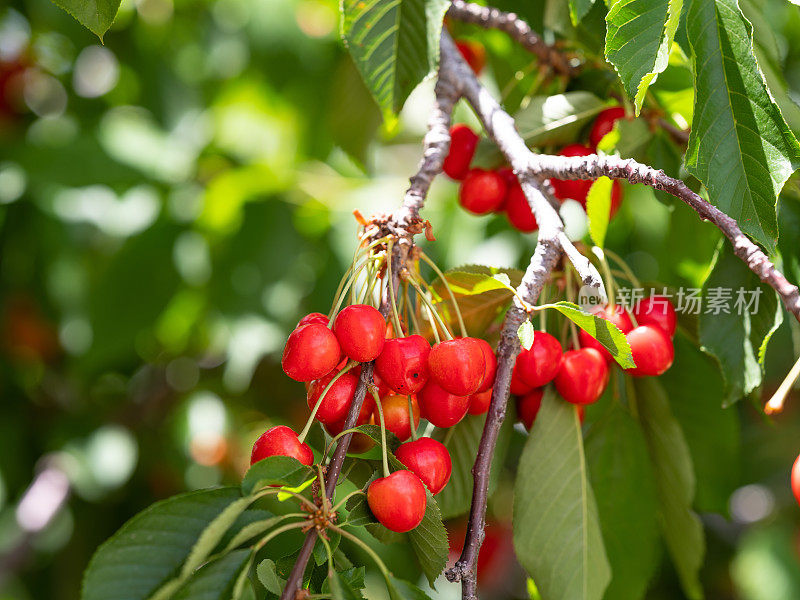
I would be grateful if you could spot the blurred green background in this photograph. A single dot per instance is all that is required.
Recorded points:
(173, 201)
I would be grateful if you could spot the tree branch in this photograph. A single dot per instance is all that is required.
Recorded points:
(593, 166)
(403, 224)
(518, 29)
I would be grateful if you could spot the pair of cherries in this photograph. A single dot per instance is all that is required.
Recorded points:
(486, 190)
(650, 341)
(399, 501)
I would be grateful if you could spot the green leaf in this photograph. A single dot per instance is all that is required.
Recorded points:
(555, 514)
(696, 390)
(738, 341)
(394, 44)
(269, 578)
(525, 334)
(481, 297)
(624, 488)
(275, 470)
(603, 331)
(215, 580)
(789, 242)
(557, 119)
(96, 15)
(151, 547)
(320, 554)
(454, 500)
(740, 146)
(341, 586)
(675, 480)
(578, 9)
(402, 590)
(429, 542)
(639, 35)
(598, 209)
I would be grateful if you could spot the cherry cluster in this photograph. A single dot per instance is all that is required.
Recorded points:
(484, 191)
(581, 375)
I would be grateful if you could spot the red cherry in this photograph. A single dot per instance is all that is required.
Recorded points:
(583, 376)
(474, 53)
(440, 407)
(398, 501)
(528, 407)
(361, 331)
(479, 402)
(616, 198)
(427, 459)
(604, 123)
(618, 316)
(796, 479)
(395, 415)
(313, 318)
(281, 441)
(463, 142)
(403, 364)
(507, 173)
(519, 387)
(490, 360)
(360, 442)
(310, 352)
(539, 365)
(577, 189)
(457, 365)
(518, 211)
(336, 402)
(656, 310)
(482, 191)
(652, 351)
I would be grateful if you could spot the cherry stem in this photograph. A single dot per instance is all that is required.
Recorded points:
(775, 404)
(609, 282)
(543, 314)
(571, 298)
(339, 504)
(624, 266)
(432, 309)
(390, 283)
(441, 275)
(412, 425)
(313, 414)
(336, 438)
(429, 430)
(325, 503)
(331, 572)
(384, 452)
(358, 541)
(341, 295)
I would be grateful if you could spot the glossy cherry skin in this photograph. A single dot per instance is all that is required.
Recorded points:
(474, 53)
(518, 386)
(528, 407)
(313, 318)
(457, 365)
(361, 331)
(796, 479)
(575, 189)
(463, 142)
(281, 441)
(490, 360)
(539, 365)
(582, 377)
(604, 123)
(337, 401)
(440, 407)
(652, 351)
(429, 460)
(360, 442)
(482, 191)
(403, 364)
(398, 501)
(479, 402)
(618, 316)
(395, 415)
(658, 311)
(518, 211)
(310, 352)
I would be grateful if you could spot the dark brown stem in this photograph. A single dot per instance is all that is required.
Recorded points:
(492, 18)
(679, 135)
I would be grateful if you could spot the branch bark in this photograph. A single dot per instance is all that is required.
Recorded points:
(492, 18)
